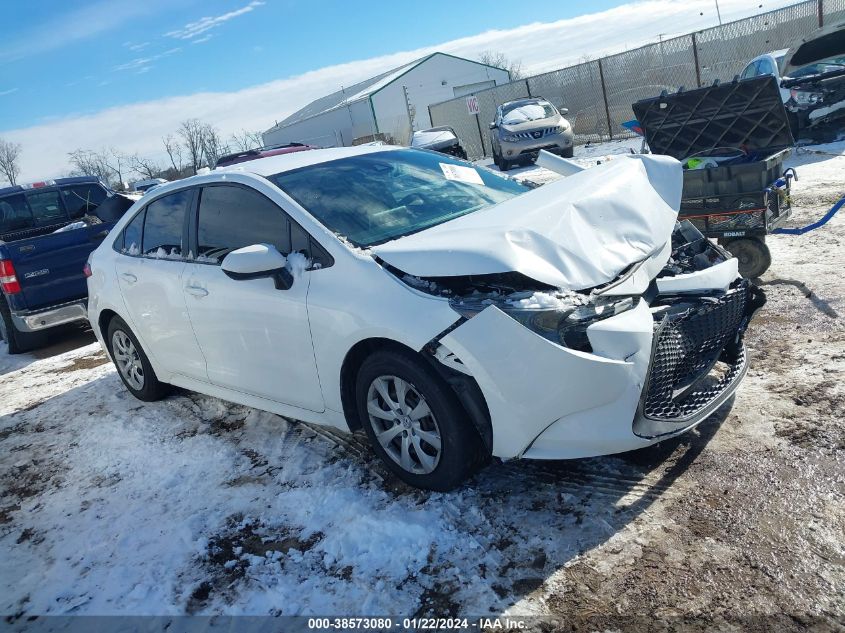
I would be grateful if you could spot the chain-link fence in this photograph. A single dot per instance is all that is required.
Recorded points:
(599, 93)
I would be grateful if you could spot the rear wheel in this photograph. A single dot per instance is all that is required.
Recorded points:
(132, 364)
(415, 423)
(753, 255)
(18, 342)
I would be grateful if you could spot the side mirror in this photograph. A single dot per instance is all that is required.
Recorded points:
(493, 126)
(257, 262)
(563, 111)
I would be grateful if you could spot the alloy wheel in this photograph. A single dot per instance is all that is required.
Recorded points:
(128, 360)
(404, 424)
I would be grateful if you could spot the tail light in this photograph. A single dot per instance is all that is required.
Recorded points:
(8, 279)
(86, 270)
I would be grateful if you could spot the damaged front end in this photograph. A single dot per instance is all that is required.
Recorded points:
(606, 372)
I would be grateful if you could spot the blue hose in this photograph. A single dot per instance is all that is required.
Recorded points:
(806, 229)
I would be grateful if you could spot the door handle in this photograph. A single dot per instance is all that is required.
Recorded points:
(196, 291)
(129, 277)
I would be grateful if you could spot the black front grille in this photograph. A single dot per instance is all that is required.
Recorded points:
(689, 343)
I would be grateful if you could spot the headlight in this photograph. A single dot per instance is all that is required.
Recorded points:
(806, 98)
(510, 138)
(564, 125)
(564, 325)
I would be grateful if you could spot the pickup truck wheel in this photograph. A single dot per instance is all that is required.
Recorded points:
(753, 255)
(132, 364)
(415, 423)
(18, 342)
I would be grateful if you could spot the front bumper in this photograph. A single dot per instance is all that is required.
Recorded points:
(654, 372)
(34, 321)
(554, 143)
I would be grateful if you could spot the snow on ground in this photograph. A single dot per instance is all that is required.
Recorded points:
(193, 505)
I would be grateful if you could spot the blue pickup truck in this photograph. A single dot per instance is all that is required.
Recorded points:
(47, 231)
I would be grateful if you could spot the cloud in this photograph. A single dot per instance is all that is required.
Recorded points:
(136, 48)
(3, 93)
(542, 46)
(72, 26)
(144, 62)
(204, 38)
(193, 29)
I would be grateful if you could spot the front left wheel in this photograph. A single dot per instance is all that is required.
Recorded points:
(132, 364)
(415, 423)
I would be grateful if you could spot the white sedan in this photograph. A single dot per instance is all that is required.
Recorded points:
(451, 313)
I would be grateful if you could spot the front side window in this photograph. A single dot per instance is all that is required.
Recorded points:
(82, 199)
(373, 198)
(46, 207)
(14, 213)
(232, 217)
(163, 225)
(765, 67)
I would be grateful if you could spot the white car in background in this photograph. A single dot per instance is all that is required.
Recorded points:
(451, 313)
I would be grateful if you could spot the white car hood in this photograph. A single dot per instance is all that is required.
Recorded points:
(576, 233)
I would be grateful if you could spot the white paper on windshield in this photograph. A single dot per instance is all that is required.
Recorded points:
(461, 174)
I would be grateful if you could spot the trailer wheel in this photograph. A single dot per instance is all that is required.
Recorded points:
(753, 255)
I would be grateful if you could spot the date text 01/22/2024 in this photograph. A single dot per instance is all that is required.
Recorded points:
(415, 624)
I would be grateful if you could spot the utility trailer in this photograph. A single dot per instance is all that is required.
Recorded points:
(733, 139)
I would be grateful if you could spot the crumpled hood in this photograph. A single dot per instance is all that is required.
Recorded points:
(819, 46)
(576, 233)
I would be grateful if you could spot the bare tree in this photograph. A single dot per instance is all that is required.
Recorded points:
(107, 165)
(9, 154)
(174, 151)
(245, 140)
(191, 132)
(146, 167)
(500, 60)
(212, 145)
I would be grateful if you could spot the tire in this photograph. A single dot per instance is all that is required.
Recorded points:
(753, 255)
(504, 165)
(18, 342)
(132, 364)
(568, 152)
(427, 412)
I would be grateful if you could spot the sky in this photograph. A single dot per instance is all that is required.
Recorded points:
(123, 73)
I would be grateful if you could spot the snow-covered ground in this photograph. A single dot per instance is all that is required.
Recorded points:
(193, 505)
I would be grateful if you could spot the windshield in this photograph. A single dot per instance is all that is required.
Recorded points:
(516, 113)
(828, 65)
(373, 198)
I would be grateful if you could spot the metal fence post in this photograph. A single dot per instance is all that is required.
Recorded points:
(695, 59)
(528, 86)
(480, 135)
(821, 13)
(604, 96)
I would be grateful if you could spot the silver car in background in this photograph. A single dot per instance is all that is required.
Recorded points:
(525, 126)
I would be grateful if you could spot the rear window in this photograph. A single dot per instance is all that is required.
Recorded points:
(14, 214)
(82, 199)
(46, 207)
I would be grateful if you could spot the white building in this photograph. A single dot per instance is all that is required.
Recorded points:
(387, 106)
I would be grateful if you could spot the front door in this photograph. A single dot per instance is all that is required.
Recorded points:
(255, 339)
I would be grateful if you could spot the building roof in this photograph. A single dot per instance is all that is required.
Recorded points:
(358, 92)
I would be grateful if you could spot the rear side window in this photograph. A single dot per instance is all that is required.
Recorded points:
(765, 67)
(46, 207)
(163, 225)
(233, 217)
(132, 236)
(82, 199)
(14, 214)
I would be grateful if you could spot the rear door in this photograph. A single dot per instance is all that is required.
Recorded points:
(149, 270)
(256, 339)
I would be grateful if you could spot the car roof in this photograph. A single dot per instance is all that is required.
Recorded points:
(288, 162)
(52, 182)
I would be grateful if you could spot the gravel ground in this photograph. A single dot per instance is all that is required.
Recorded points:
(193, 505)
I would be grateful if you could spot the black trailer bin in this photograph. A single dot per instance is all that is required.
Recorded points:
(732, 139)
